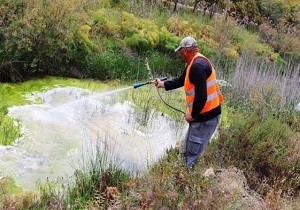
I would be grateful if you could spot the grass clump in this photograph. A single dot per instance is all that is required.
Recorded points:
(97, 185)
(262, 149)
(9, 131)
(13, 197)
(146, 99)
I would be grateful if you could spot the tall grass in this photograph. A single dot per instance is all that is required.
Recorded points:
(98, 175)
(96, 185)
(266, 84)
(262, 125)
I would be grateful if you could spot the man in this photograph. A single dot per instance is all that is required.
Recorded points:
(203, 98)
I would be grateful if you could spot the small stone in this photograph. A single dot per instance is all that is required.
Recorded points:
(209, 173)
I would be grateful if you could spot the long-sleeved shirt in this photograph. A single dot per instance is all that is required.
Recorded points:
(200, 71)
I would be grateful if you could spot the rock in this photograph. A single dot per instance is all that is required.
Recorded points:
(209, 173)
(232, 183)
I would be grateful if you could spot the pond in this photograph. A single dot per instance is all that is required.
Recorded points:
(63, 131)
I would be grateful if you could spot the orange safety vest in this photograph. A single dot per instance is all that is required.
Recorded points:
(214, 95)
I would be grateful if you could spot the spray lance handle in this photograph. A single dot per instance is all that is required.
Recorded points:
(140, 84)
(163, 78)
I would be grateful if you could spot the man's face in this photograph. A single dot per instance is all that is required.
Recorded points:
(182, 53)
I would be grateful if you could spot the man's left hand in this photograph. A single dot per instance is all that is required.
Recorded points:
(188, 117)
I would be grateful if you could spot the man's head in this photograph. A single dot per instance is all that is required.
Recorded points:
(187, 42)
(187, 48)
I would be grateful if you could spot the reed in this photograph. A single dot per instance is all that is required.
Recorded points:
(265, 85)
(261, 125)
(97, 184)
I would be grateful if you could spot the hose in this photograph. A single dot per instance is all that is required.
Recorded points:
(165, 78)
(168, 104)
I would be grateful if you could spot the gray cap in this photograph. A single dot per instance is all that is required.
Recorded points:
(187, 42)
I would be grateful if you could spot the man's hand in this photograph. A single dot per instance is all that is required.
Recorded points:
(158, 83)
(188, 117)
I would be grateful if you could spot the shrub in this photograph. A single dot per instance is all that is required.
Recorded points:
(287, 44)
(206, 50)
(162, 64)
(139, 34)
(38, 39)
(262, 150)
(8, 130)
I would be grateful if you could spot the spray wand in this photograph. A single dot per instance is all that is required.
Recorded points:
(140, 84)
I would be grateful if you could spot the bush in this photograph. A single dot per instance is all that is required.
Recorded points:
(37, 40)
(262, 149)
(162, 64)
(286, 44)
(261, 128)
(139, 34)
(8, 130)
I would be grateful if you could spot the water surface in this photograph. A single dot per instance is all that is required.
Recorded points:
(65, 129)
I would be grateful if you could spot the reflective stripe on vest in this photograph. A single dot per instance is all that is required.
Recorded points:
(208, 84)
(209, 98)
(214, 95)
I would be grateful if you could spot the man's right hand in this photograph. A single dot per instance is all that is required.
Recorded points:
(158, 83)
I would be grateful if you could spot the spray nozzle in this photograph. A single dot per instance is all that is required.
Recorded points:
(140, 84)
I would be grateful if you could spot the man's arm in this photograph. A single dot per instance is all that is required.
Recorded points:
(176, 82)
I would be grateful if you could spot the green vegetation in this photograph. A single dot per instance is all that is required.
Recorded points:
(268, 158)
(8, 130)
(14, 93)
(111, 40)
(255, 47)
(261, 144)
(99, 179)
(147, 102)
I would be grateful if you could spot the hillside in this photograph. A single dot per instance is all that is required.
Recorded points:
(253, 162)
(78, 39)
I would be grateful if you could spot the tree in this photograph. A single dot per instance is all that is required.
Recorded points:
(274, 10)
(211, 6)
